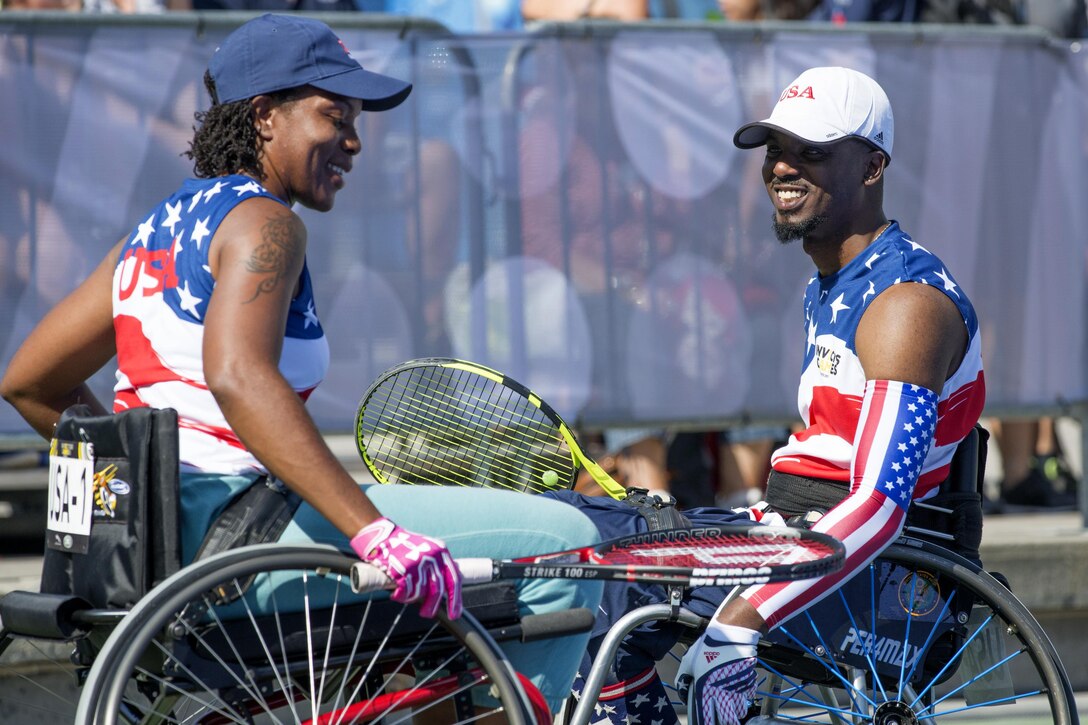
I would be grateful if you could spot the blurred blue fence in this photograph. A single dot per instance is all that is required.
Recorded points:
(566, 205)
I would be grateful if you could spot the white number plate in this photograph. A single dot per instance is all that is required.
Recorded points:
(71, 496)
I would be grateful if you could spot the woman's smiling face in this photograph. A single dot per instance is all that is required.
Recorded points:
(309, 145)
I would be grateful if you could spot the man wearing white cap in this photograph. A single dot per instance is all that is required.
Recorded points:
(891, 383)
(892, 378)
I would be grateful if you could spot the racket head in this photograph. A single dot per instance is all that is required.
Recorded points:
(444, 421)
(717, 555)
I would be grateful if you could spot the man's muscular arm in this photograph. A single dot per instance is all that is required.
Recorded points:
(911, 335)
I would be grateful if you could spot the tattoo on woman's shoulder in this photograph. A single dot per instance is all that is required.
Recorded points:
(278, 253)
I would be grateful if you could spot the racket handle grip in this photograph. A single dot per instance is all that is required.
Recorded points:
(476, 571)
(368, 578)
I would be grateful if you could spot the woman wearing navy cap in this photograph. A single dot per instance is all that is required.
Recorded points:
(208, 307)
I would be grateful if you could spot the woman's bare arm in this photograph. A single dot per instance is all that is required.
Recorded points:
(257, 257)
(48, 372)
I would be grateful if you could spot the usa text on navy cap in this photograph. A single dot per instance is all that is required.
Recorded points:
(276, 52)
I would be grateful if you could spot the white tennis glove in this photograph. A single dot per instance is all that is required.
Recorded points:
(761, 512)
(717, 676)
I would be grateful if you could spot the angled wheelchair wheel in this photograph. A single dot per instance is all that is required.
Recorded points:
(921, 636)
(45, 645)
(38, 681)
(273, 633)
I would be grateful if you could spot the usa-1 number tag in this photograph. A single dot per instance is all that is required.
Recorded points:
(71, 495)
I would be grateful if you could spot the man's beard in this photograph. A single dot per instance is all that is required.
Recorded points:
(790, 231)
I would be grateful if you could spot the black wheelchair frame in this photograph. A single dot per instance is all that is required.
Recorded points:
(144, 640)
(211, 645)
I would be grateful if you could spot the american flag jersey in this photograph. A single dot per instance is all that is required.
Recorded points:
(161, 288)
(892, 441)
(832, 380)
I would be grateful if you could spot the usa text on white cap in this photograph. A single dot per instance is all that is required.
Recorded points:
(824, 105)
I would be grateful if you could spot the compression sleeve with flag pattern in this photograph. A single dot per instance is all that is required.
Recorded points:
(894, 435)
(895, 432)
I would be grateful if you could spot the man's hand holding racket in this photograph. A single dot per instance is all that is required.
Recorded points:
(421, 567)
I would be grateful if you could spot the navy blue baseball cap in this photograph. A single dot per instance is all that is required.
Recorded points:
(276, 52)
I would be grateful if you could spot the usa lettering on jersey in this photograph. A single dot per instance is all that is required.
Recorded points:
(162, 285)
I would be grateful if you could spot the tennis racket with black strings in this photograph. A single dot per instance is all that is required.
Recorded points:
(726, 555)
(456, 423)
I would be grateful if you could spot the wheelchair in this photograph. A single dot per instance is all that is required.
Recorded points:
(259, 633)
(922, 635)
(274, 633)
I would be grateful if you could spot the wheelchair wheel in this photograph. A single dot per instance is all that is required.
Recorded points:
(921, 636)
(273, 633)
(45, 644)
(38, 682)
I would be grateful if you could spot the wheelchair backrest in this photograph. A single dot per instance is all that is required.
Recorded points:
(134, 537)
(953, 517)
(968, 468)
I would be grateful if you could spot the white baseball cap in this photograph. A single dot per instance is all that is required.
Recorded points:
(824, 105)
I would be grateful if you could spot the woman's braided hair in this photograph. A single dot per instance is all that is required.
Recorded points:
(225, 139)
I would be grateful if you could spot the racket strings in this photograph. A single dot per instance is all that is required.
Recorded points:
(732, 551)
(421, 448)
(391, 432)
(499, 410)
(443, 425)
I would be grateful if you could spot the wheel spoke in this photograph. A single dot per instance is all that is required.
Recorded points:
(292, 645)
(951, 651)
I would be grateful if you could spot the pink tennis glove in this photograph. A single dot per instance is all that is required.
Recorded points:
(420, 567)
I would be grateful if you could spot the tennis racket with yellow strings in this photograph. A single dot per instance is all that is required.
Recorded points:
(451, 422)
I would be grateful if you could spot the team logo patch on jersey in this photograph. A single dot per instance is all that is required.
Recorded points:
(827, 360)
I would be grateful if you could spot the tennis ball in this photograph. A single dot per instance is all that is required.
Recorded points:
(550, 478)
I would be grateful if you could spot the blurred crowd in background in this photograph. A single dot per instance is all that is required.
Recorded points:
(1036, 462)
(1063, 18)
